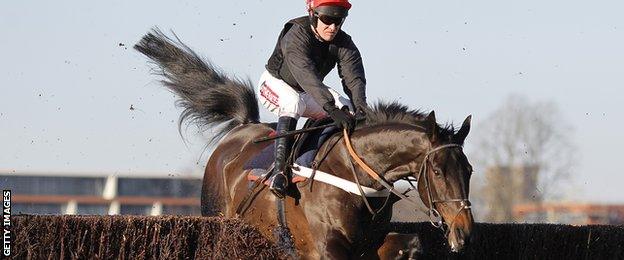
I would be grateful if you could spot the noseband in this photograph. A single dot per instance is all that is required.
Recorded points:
(434, 215)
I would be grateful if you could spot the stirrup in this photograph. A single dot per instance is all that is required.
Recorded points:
(275, 190)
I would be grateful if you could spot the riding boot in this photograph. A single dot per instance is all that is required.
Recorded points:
(283, 145)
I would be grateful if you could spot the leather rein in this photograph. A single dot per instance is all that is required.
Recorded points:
(434, 215)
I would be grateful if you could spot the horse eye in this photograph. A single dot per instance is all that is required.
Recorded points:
(436, 172)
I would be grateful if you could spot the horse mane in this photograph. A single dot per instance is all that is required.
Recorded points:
(383, 113)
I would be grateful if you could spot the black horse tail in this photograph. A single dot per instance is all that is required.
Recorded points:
(207, 95)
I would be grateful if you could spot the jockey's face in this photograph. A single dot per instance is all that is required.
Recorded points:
(327, 32)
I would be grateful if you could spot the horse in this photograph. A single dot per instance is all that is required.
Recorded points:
(325, 221)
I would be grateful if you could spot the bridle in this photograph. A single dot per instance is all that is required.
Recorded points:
(433, 212)
(434, 215)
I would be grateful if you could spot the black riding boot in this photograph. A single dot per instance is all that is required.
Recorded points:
(281, 177)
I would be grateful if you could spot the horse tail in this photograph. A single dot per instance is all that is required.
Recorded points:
(208, 96)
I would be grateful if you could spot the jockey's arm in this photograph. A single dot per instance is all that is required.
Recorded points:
(297, 57)
(351, 72)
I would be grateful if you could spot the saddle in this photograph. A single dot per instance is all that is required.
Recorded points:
(305, 148)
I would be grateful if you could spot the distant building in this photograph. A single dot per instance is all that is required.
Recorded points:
(509, 186)
(101, 194)
(570, 213)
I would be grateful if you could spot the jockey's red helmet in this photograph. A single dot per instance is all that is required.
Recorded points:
(336, 8)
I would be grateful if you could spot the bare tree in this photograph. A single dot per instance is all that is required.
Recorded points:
(524, 149)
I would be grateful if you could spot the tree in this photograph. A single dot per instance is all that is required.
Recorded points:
(525, 151)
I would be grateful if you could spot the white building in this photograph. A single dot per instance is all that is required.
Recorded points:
(101, 193)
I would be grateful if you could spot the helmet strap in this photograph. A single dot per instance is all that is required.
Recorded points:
(313, 19)
(317, 35)
(314, 23)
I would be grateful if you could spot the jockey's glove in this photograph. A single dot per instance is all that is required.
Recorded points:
(342, 117)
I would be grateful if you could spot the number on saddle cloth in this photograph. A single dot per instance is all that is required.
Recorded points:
(306, 147)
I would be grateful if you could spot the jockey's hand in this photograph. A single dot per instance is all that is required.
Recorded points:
(342, 118)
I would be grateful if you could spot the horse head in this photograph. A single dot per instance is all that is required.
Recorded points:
(443, 182)
(406, 144)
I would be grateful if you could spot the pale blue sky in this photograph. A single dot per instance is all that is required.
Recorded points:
(66, 84)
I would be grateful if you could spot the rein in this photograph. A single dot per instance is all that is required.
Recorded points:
(434, 216)
(375, 175)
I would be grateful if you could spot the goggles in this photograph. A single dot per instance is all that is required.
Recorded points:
(329, 20)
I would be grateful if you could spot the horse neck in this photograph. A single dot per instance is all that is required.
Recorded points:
(392, 151)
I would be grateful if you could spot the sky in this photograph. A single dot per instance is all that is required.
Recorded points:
(69, 75)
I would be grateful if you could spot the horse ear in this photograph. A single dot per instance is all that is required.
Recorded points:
(432, 132)
(460, 136)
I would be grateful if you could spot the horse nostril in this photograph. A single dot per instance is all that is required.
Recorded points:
(460, 235)
(456, 240)
(456, 247)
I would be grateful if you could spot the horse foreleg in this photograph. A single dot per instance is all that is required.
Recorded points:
(336, 245)
(332, 244)
(337, 234)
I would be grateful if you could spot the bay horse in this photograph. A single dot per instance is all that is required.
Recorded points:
(326, 222)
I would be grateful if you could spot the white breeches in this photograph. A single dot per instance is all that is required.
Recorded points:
(282, 100)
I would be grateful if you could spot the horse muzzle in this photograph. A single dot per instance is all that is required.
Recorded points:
(460, 231)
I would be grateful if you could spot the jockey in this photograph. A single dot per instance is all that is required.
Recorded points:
(292, 86)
